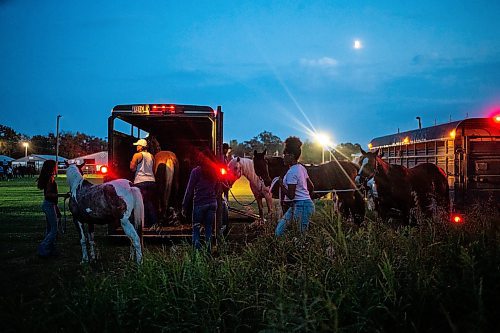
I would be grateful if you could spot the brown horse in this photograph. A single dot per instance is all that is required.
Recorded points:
(401, 190)
(166, 170)
(336, 176)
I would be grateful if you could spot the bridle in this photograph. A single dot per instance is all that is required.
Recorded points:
(373, 174)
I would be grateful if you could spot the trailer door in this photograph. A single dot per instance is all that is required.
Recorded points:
(483, 166)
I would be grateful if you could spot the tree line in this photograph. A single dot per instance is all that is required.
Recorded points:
(312, 152)
(73, 145)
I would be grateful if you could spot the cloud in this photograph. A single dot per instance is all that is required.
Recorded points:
(324, 62)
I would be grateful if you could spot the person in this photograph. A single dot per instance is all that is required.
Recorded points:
(226, 150)
(201, 193)
(46, 182)
(142, 164)
(297, 188)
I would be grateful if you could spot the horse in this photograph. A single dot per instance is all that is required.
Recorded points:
(166, 171)
(241, 166)
(104, 204)
(337, 176)
(401, 190)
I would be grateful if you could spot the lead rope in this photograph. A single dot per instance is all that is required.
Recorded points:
(64, 224)
(238, 202)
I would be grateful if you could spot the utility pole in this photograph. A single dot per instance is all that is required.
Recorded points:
(57, 144)
(419, 122)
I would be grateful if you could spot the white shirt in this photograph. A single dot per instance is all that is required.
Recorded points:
(297, 175)
(144, 171)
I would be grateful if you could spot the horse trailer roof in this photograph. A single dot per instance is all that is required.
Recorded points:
(438, 132)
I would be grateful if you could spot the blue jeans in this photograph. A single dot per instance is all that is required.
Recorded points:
(300, 211)
(48, 246)
(203, 214)
(149, 195)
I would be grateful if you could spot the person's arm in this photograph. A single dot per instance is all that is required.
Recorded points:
(136, 159)
(290, 189)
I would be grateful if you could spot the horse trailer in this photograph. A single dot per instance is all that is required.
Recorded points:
(467, 150)
(181, 129)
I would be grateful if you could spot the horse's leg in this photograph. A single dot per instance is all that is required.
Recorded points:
(269, 202)
(90, 235)
(129, 230)
(83, 241)
(261, 207)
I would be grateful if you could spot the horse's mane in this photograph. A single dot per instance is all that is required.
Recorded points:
(247, 169)
(75, 179)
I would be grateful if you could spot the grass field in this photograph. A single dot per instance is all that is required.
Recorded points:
(339, 277)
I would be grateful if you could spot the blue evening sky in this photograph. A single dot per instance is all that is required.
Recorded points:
(280, 66)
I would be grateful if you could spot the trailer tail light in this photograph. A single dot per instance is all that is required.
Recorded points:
(223, 171)
(162, 108)
(496, 118)
(457, 218)
(104, 170)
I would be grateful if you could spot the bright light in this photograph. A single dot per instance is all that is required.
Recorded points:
(104, 169)
(323, 140)
(496, 118)
(453, 134)
(370, 146)
(25, 145)
(357, 44)
(223, 171)
(457, 218)
(406, 140)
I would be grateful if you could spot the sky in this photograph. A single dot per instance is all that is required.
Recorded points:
(288, 67)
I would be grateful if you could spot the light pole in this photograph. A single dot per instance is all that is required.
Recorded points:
(57, 144)
(25, 145)
(324, 141)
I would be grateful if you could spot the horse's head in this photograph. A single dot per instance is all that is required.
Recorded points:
(367, 166)
(234, 170)
(260, 166)
(74, 178)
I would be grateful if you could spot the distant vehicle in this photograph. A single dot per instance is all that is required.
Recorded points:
(467, 150)
(181, 129)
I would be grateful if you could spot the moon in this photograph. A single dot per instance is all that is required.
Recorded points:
(357, 44)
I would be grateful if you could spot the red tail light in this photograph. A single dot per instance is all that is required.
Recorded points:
(223, 171)
(162, 108)
(496, 118)
(104, 170)
(457, 218)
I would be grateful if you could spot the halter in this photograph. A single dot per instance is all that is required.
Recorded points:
(375, 171)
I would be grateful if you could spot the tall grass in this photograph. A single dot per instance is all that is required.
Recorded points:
(337, 277)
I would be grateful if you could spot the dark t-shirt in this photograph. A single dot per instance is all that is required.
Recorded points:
(50, 192)
(201, 190)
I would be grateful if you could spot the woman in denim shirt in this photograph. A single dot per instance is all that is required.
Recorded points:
(201, 192)
(297, 186)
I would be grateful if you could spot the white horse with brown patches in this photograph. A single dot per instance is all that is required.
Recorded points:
(103, 204)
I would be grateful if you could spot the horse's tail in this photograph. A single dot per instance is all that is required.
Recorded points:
(169, 177)
(138, 208)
